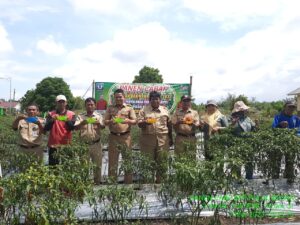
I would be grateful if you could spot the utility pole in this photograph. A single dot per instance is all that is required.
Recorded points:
(191, 83)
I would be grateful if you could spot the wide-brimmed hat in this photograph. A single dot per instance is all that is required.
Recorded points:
(239, 106)
(186, 97)
(211, 102)
(60, 98)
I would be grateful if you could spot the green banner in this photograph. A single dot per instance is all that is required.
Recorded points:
(137, 94)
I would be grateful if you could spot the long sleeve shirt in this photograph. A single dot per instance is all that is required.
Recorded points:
(293, 121)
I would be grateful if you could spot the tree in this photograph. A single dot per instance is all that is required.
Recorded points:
(229, 101)
(148, 75)
(79, 103)
(45, 93)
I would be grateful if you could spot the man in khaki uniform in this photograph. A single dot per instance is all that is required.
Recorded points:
(31, 130)
(156, 138)
(89, 125)
(119, 117)
(185, 121)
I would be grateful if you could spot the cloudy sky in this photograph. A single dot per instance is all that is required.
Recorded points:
(248, 47)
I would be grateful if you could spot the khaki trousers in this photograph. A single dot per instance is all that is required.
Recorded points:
(37, 152)
(156, 147)
(95, 153)
(185, 145)
(116, 144)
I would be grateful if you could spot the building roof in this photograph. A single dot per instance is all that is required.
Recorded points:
(295, 92)
(7, 105)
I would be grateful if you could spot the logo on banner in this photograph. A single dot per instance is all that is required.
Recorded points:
(99, 86)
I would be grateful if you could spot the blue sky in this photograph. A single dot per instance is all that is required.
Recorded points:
(228, 46)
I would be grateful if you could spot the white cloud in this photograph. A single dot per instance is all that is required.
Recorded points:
(251, 65)
(263, 62)
(235, 13)
(41, 8)
(120, 8)
(21, 10)
(5, 43)
(50, 46)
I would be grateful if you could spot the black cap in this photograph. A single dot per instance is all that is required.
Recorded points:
(186, 97)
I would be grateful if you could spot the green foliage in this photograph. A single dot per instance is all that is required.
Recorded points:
(45, 195)
(50, 195)
(45, 93)
(229, 101)
(261, 147)
(117, 202)
(190, 180)
(198, 108)
(79, 103)
(148, 75)
(268, 109)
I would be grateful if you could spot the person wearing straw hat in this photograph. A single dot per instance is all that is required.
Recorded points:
(211, 123)
(286, 119)
(185, 121)
(242, 123)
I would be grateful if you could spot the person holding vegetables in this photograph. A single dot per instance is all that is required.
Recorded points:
(156, 136)
(30, 129)
(60, 122)
(89, 125)
(185, 122)
(119, 117)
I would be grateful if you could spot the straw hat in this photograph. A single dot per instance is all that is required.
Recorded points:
(239, 106)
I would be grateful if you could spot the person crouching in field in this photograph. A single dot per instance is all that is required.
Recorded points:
(60, 122)
(156, 137)
(119, 117)
(287, 120)
(185, 122)
(30, 129)
(89, 125)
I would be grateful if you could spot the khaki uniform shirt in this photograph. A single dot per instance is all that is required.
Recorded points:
(125, 112)
(90, 132)
(162, 117)
(29, 133)
(187, 129)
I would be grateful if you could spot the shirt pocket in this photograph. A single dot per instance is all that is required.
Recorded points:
(35, 131)
(124, 114)
(23, 127)
(163, 120)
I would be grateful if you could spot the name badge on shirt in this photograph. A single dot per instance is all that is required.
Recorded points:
(35, 132)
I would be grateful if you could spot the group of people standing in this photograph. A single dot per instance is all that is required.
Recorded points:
(154, 120)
